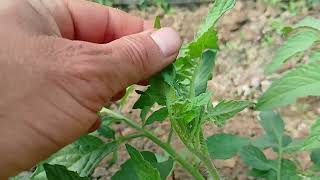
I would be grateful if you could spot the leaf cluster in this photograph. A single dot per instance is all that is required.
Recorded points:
(303, 80)
(285, 166)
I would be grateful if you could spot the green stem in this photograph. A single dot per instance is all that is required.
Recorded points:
(210, 167)
(279, 164)
(129, 137)
(205, 159)
(170, 136)
(193, 82)
(279, 159)
(194, 172)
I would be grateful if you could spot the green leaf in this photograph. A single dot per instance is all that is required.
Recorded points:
(315, 157)
(264, 141)
(106, 131)
(311, 142)
(268, 174)
(226, 110)
(81, 156)
(157, 23)
(144, 112)
(152, 95)
(206, 36)
(189, 109)
(289, 170)
(314, 57)
(273, 124)
(138, 167)
(127, 170)
(225, 146)
(204, 73)
(159, 115)
(299, 42)
(255, 158)
(55, 172)
(310, 22)
(142, 167)
(219, 8)
(300, 82)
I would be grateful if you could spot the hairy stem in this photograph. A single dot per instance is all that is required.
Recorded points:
(170, 136)
(186, 165)
(205, 159)
(280, 151)
(129, 137)
(209, 165)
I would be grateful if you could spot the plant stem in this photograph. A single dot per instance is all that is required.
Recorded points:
(170, 136)
(279, 164)
(194, 172)
(129, 137)
(210, 167)
(279, 159)
(205, 159)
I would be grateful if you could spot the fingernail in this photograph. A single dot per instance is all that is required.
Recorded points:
(168, 40)
(95, 126)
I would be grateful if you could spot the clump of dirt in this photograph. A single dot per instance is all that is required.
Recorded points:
(247, 42)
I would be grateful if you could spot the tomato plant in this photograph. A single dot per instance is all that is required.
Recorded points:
(179, 93)
(285, 166)
(301, 81)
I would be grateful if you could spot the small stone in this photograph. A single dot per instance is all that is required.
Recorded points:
(265, 84)
(99, 172)
(255, 82)
(303, 130)
(270, 154)
(229, 163)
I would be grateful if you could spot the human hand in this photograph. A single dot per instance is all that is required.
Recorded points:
(60, 61)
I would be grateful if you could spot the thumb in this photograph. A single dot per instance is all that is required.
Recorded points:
(136, 57)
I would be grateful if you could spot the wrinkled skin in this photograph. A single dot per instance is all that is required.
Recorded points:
(60, 61)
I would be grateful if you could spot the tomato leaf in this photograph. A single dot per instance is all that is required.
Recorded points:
(106, 131)
(81, 156)
(309, 22)
(311, 142)
(303, 81)
(314, 57)
(55, 172)
(267, 174)
(138, 167)
(204, 72)
(219, 9)
(315, 157)
(159, 115)
(157, 23)
(226, 110)
(299, 42)
(225, 146)
(255, 158)
(273, 125)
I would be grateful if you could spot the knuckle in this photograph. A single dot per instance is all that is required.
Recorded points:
(78, 59)
(79, 64)
(136, 53)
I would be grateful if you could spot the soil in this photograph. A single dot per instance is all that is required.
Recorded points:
(249, 36)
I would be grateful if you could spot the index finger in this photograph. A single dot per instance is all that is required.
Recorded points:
(92, 22)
